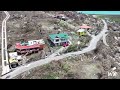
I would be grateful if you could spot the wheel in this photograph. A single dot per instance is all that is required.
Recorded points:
(18, 53)
(14, 65)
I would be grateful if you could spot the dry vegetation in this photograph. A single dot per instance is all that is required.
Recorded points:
(73, 68)
(91, 65)
(35, 25)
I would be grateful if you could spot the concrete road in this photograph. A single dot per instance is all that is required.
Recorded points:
(104, 39)
(5, 63)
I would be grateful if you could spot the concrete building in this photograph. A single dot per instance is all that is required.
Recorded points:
(59, 39)
(81, 32)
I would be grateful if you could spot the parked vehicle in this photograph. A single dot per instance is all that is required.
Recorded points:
(66, 44)
(14, 59)
(13, 62)
(61, 16)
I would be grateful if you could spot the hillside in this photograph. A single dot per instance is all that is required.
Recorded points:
(115, 18)
(93, 65)
(33, 25)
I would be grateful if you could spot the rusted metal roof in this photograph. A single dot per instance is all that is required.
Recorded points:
(27, 47)
(31, 44)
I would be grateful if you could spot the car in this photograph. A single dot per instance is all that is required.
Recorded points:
(64, 45)
(61, 16)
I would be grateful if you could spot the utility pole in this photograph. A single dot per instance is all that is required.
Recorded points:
(78, 43)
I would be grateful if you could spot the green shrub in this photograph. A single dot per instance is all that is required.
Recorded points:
(50, 76)
(65, 67)
(47, 66)
(63, 24)
(71, 48)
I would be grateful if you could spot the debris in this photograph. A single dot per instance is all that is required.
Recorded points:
(113, 68)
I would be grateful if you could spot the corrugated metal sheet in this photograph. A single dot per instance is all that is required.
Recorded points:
(28, 47)
(31, 44)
